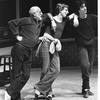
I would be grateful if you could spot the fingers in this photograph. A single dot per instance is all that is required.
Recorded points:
(43, 39)
(19, 38)
(75, 21)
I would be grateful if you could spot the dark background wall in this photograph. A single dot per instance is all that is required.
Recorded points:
(8, 7)
(7, 11)
(91, 4)
(26, 4)
(44, 5)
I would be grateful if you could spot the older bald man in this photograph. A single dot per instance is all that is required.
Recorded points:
(26, 31)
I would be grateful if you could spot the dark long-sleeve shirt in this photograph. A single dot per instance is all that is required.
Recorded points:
(87, 30)
(59, 29)
(28, 28)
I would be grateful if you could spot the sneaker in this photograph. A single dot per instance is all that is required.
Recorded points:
(37, 93)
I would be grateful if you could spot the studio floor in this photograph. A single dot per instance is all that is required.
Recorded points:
(67, 86)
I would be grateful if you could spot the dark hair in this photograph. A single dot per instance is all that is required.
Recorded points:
(60, 7)
(78, 4)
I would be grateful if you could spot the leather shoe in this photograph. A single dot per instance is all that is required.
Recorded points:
(53, 95)
(36, 96)
(39, 96)
(89, 92)
(49, 97)
(86, 94)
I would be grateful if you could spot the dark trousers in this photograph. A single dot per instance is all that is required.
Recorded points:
(22, 60)
(86, 59)
(50, 69)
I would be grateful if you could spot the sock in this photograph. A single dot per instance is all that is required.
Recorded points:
(37, 92)
(7, 96)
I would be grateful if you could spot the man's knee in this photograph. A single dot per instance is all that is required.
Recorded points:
(25, 77)
(85, 65)
(57, 70)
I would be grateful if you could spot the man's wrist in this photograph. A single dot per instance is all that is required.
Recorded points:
(50, 16)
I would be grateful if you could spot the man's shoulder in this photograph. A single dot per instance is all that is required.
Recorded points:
(25, 18)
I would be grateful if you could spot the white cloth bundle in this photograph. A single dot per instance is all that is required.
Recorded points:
(55, 46)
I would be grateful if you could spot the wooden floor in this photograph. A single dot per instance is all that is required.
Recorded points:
(66, 87)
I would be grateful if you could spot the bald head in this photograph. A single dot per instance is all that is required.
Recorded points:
(34, 9)
(36, 12)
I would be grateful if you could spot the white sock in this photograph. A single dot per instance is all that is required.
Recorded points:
(37, 92)
(50, 95)
(7, 96)
(86, 89)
